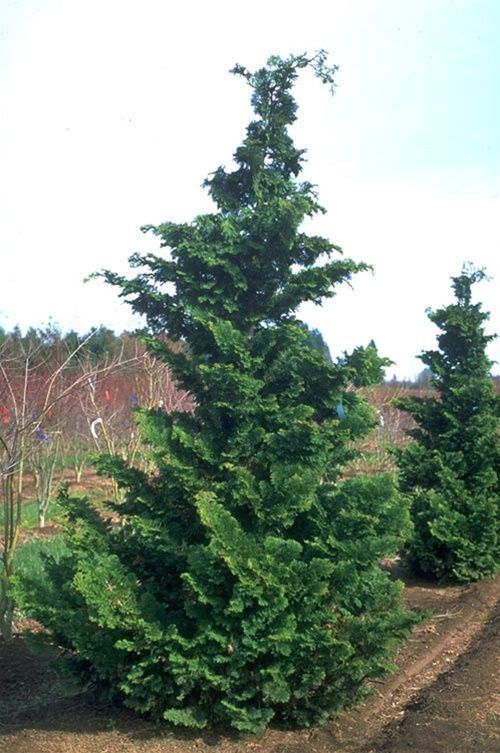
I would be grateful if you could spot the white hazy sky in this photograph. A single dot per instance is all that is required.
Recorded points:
(113, 112)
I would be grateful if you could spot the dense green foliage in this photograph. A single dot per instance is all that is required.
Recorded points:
(451, 471)
(243, 583)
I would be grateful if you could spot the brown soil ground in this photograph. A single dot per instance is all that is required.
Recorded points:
(444, 697)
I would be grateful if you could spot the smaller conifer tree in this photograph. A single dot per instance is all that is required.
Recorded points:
(451, 471)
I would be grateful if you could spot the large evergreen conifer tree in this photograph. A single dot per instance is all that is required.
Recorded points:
(244, 582)
(451, 471)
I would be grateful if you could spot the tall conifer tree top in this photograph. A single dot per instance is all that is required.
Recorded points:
(248, 263)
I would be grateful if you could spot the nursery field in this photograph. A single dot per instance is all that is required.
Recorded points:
(236, 581)
(443, 698)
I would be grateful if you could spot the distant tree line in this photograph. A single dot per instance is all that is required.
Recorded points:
(100, 341)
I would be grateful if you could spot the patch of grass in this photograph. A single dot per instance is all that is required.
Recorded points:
(28, 559)
(30, 514)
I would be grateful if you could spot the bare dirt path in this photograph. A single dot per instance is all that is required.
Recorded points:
(460, 711)
(441, 700)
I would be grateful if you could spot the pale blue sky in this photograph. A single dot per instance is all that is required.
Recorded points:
(113, 112)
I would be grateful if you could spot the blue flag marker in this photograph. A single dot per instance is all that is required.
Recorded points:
(42, 435)
(340, 411)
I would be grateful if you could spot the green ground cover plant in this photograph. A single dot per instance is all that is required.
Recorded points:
(242, 582)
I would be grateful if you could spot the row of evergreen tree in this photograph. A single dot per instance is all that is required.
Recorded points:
(101, 342)
(244, 583)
